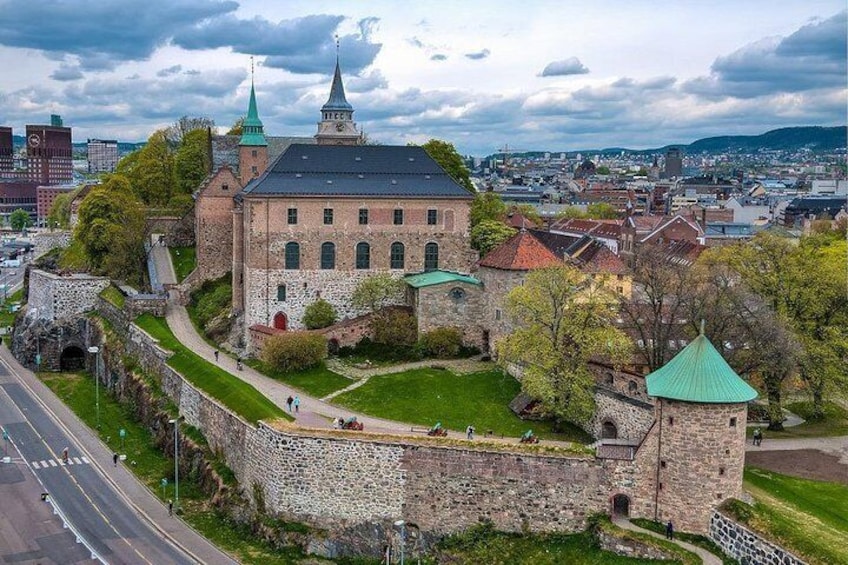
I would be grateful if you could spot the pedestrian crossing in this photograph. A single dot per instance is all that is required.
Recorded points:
(46, 463)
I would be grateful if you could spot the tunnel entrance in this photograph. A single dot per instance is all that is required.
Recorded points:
(72, 359)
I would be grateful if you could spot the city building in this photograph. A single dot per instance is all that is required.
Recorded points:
(673, 163)
(102, 155)
(6, 151)
(45, 195)
(49, 153)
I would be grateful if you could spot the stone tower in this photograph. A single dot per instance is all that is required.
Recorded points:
(701, 411)
(337, 126)
(253, 147)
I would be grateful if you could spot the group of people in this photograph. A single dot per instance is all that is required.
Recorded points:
(293, 402)
(758, 436)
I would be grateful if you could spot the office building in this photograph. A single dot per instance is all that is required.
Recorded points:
(49, 153)
(102, 155)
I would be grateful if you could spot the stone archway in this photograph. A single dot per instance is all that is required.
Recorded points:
(609, 430)
(281, 321)
(72, 359)
(333, 346)
(621, 505)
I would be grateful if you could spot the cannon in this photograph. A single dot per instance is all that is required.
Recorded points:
(529, 437)
(352, 424)
(437, 431)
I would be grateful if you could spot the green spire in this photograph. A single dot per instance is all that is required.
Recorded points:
(252, 130)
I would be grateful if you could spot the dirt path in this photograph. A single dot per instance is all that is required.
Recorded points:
(804, 463)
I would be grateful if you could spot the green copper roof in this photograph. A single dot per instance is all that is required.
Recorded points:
(252, 130)
(699, 374)
(438, 277)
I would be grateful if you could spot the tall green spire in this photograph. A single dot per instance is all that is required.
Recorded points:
(252, 131)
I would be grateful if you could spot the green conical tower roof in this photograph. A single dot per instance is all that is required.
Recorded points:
(252, 131)
(699, 374)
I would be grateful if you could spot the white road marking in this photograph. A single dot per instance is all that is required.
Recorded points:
(34, 464)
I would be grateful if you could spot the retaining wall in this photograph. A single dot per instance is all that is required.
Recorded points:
(746, 546)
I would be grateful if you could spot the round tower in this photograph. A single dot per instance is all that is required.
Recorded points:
(701, 412)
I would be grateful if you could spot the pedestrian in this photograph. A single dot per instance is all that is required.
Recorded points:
(469, 432)
(216, 355)
(758, 436)
(289, 401)
(238, 363)
(669, 530)
(296, 404)
(65, 455)
(170, 507)
(115, 459)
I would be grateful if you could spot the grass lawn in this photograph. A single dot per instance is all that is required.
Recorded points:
(835, 422)
(318, 381)
(701, 541)
(113, 296)
(235, 394)
(184, 260)
(425, 396)
(809, 518)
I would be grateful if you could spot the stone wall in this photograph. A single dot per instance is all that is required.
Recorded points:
(52, 296)
(138, 304)
(496, 285)
(456, 304)
(178, 231)
(746, 546)
(45, 241)
(629, 547)
(631, 418)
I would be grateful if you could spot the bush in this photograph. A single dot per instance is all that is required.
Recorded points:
(441, 342)
(211, 299)
(319, 314)
(394, 327)
(294, 351)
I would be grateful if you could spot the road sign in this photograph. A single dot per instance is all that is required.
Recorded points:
(122, 432)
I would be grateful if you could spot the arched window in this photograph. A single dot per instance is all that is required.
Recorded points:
(397, 255)
(431, 257)
(328, 255)
(363, 255)
(632, 386)
(292, 255)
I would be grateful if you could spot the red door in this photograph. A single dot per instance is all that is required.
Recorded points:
(280, 321)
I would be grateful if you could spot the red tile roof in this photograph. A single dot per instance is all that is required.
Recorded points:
(522, 252)
(598, 258)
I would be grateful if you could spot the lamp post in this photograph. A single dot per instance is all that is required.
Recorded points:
(401, 524)
(176, 423)
(95, 350)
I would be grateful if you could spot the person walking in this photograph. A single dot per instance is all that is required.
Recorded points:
(758, 436)
(296, 404)
(65, 456)
(669, 530)
(115, 459)
(289, 401)
(170, 507)
(216, 355)
(469, 432)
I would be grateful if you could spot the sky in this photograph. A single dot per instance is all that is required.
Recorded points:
(534, 75)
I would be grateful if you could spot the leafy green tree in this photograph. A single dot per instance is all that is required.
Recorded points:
(378, 291)
(446, 156)
(191, 162)
(294, 351)
(237, 128)
(565, 319)
(571, 212)
(488, 234)
(60, 211)
(601, 211)
(176, 133)
(602, 170)
(19, 220)
(486, 206)
(319, 314)
(150, 171)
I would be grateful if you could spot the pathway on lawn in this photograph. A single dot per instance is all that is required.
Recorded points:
(706, 557)
(836, 445)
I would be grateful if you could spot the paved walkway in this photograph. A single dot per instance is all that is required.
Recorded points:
(125, 482)
(835, 445)
(162, 262)
(706, 557)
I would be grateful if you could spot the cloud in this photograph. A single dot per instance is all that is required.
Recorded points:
(478, 55)
(814, 57)
(366, 83)
(170, 71)
(100, 34)
(439, 57)
(565, 67)
(66, 73)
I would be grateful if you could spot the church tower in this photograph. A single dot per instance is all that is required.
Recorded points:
(253, 147)
(337, 126)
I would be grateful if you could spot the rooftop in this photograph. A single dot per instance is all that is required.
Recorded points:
(522, 252)
(431, 278)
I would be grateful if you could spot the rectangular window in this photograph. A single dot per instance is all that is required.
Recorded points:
(253, 153)
(281, 293)
(497, 314)
(671, 420)
(292, 216)
(733, 422)
(328, 216)
(432, 217)
(398, 217)
(363, 216)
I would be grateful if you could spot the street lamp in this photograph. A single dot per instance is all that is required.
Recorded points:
(401, 524)
(95, 350)
(176, 423)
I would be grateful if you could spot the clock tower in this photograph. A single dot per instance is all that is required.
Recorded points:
(337, 126)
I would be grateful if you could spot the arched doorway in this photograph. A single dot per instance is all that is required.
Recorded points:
(281, 321)
(72, 359)
(621, 505)
(609, 430)
(333, 346)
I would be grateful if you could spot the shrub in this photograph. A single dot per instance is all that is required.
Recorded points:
(394, 327)
(441, 342)
(212, 299)
(294, 351)
(319, 314)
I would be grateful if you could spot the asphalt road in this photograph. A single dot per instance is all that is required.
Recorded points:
(99, 514)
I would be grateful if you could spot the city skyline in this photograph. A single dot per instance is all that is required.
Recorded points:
(555, 76)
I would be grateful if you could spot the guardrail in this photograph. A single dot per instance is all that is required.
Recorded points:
(67, 524)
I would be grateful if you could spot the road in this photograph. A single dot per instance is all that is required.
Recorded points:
(100, 515)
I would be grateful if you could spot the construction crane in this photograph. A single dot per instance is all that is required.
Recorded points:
(506, 150)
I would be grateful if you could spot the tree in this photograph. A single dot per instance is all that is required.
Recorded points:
(60, 211)
(19, 220)
(565, 320)
(528, 211)
(149, 170)
(237, 128)
(602, 170)
(571, 212)
(488, 234)
(378, 291)
(175, 134)
(486, 206)
(601, 211)
(446, 156)
(191, 162)
(319, 314)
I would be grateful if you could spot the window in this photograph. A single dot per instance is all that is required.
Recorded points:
(431, 257)
(254, 170)
(281, 293)
(363, 216)
(671, 420)
(292, 216)
(253, 153)
(497, 314)
(328, 216)
(632, 386)
(398, 217)
(721, 471)
(292, 255)
(363, 255)
(432, 217)
(328, 255)
(225, 186)
(733, 422)
(662, 464)
(397, 255)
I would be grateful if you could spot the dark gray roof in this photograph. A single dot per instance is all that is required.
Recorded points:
(225, 149)
(356, 170)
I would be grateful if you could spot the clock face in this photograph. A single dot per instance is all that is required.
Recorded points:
(340, 126)
(34, 140)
